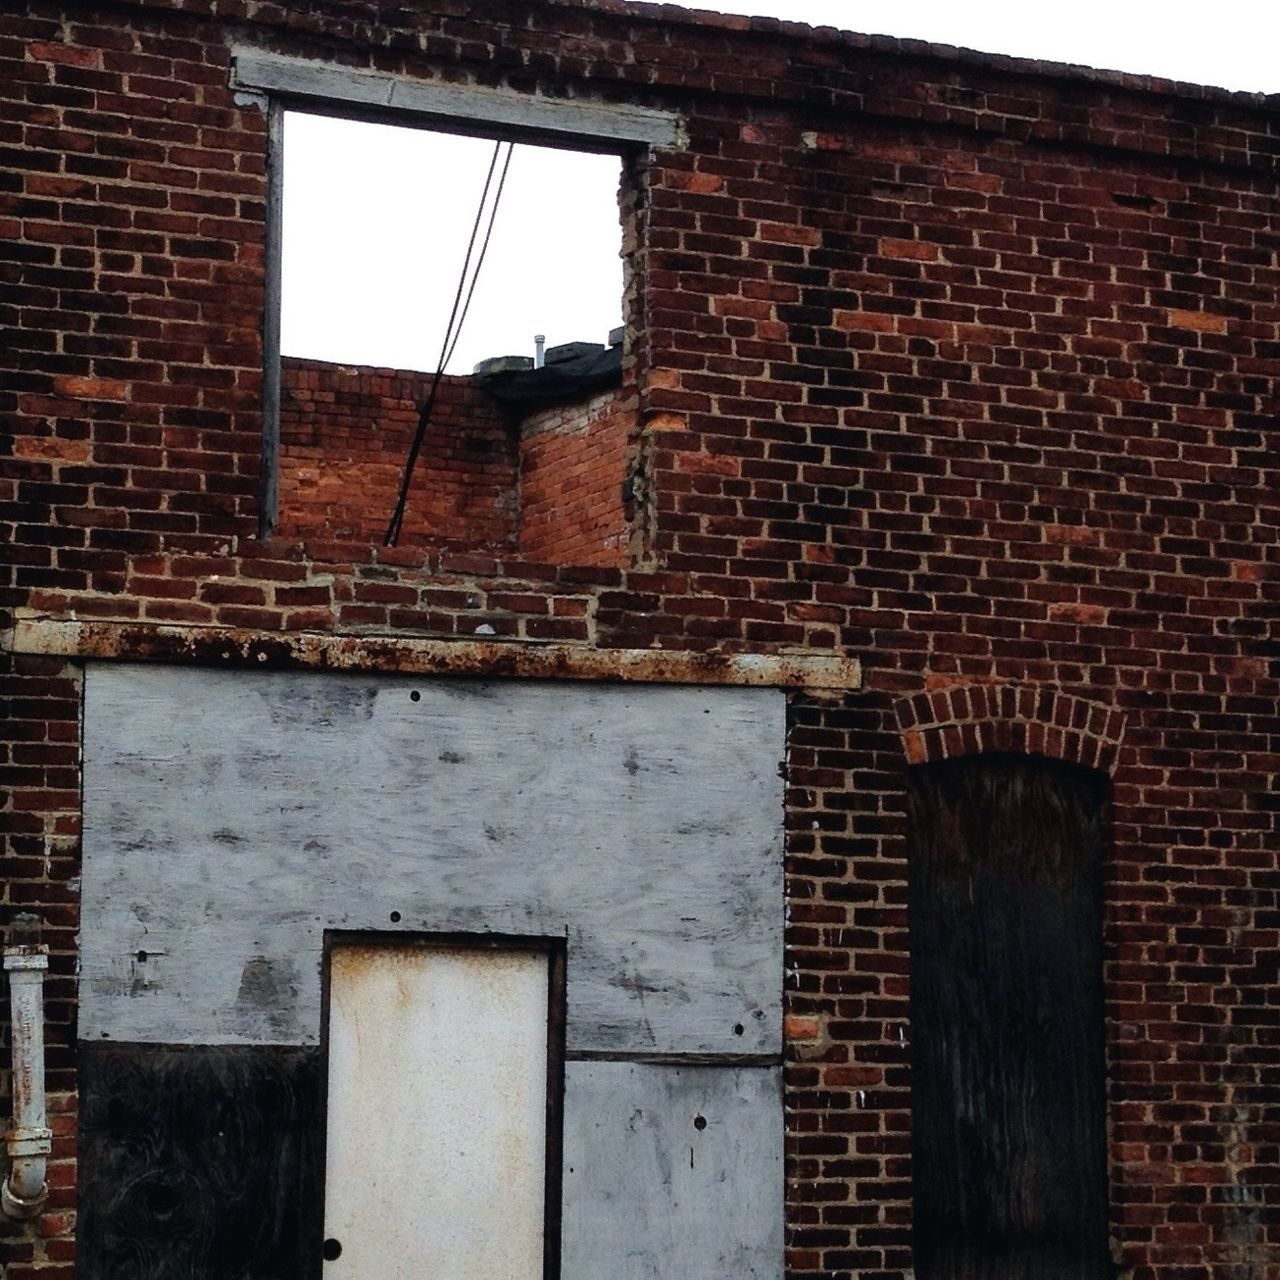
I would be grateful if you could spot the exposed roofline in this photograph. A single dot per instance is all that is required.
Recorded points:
(774, 28)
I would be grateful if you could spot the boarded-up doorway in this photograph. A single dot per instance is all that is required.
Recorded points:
(1007, 1069)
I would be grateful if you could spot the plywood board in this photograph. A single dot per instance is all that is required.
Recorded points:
(672, 1171)
(232, 817)
(203, 1161)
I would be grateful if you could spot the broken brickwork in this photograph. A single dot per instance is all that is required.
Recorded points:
(965, 368)
(545, 484)
(574, 470)
(344, 436)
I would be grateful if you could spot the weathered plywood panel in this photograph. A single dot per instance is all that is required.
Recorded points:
(199, 1162)
(435, 1161)
(231, 817)
(1007, 1072)
(672, 1171)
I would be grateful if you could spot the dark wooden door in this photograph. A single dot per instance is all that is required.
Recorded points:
(1007, 1066)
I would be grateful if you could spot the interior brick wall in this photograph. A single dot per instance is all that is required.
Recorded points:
(573, 467)
(345, 433)
(967, 369)
(548, 488)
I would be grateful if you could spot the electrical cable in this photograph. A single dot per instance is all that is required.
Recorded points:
(484, 249)
(395, 524)
(452, 333)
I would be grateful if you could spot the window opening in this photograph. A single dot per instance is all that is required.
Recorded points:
(527, 417)
(467, 281)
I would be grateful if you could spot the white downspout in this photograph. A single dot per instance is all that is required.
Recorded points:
(28, 1138)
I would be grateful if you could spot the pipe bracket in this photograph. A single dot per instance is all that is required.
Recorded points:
(28, 1142)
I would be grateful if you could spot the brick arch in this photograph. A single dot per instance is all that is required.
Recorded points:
(968, 719)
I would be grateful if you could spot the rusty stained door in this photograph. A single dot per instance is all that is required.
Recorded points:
(436, 1155)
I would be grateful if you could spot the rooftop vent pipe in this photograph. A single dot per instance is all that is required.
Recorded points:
(539, 350)
(27, 1139)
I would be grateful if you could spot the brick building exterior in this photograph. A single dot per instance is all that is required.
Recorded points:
(964, 369)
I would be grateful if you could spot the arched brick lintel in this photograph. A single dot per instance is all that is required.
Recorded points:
(968, 719)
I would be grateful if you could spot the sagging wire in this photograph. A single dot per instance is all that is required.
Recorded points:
(452, 332)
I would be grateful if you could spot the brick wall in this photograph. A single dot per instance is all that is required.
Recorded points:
(345, 434)
(573, 466)
(966, 369)
(40, 818)
(548, 488)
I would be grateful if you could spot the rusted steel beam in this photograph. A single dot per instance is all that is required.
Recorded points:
(40, 634)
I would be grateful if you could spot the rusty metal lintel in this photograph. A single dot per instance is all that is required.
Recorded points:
(40, 634)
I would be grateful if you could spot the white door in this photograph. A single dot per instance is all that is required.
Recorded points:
(436, 1131)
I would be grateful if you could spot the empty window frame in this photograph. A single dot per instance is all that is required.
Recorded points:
(297, 85)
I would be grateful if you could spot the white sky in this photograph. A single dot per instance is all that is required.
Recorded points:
(376, 218)
(376, 222)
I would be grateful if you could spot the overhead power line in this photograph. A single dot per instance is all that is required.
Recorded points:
(457, 317)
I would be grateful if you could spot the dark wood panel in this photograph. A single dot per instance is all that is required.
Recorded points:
(1008, 1085)
(200, 1163)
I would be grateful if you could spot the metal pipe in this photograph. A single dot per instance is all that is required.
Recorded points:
(539, 350)
(28, 1139)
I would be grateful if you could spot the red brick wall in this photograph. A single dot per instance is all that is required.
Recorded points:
(967, 370)
(40, 820)
(549, 489)
(573, 464)
(345, 434)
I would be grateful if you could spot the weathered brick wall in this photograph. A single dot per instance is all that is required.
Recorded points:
(573, 466)
(40, 819)
(547, 489)
(968, 370)
(345, 433)
(979, 468)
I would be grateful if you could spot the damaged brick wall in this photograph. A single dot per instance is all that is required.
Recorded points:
(573, 468)
(967, 369)
(345, 434)
(547, 487)
(40, 818)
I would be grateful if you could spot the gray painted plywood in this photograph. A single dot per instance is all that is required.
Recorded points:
(650, 1193)
(232, 817)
